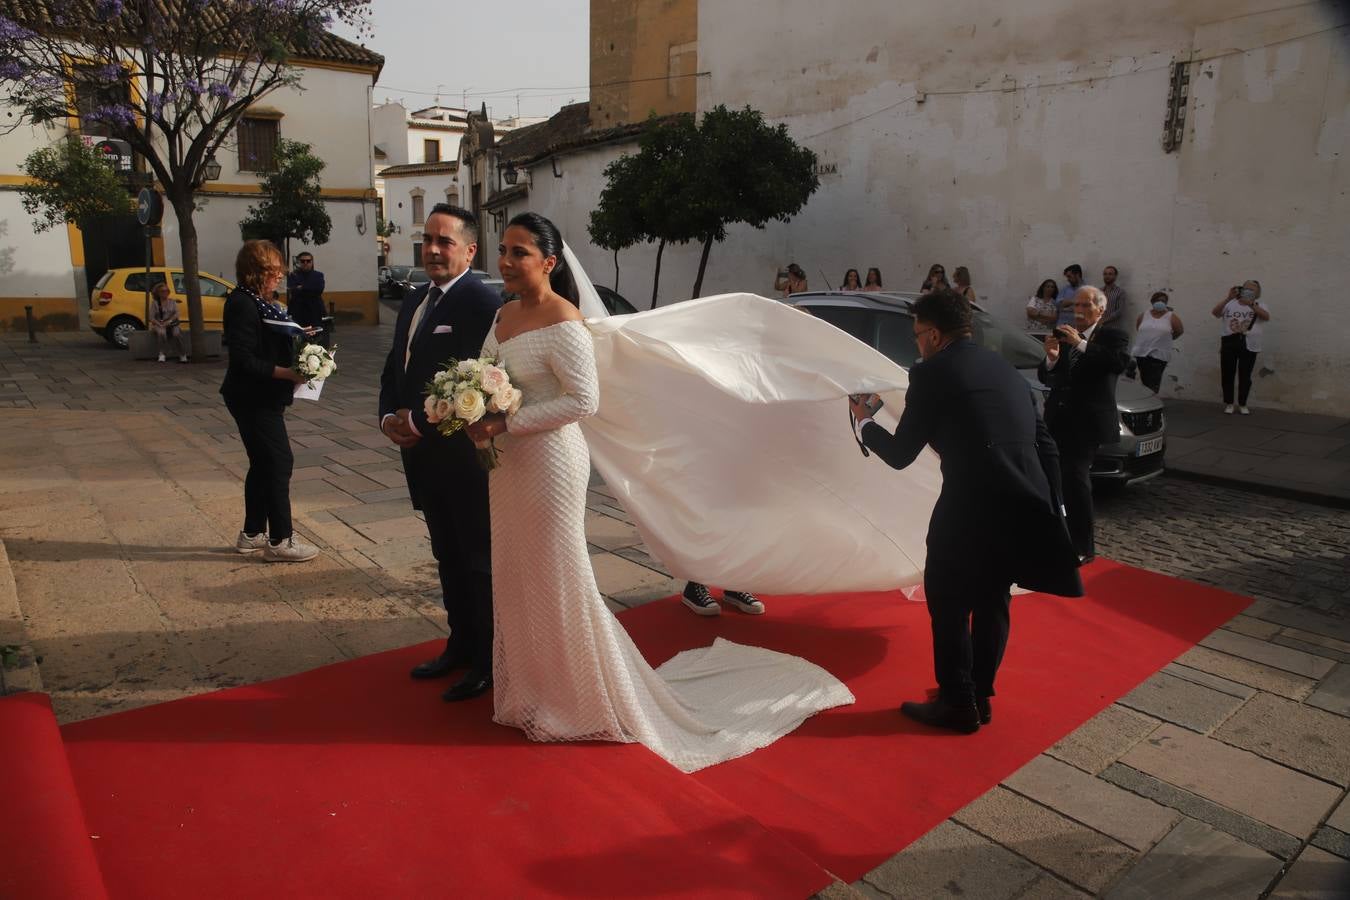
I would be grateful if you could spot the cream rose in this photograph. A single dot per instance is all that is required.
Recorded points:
(516, 398)
(444, 409)
(469, 405)
(429, 405)
(493, 379)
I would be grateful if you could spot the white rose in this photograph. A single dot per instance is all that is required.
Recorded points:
(469, 405)
(500, 401)
(326, 369)
(444, 409)
(494, 379)
(516, 398)
(441, 378)
(468, 367)
(430, 406)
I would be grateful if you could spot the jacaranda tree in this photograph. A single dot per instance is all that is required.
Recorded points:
(172, 78)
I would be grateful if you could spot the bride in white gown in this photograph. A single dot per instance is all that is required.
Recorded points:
(563, 666)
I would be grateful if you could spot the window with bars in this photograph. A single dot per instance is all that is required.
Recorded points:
(258, 144)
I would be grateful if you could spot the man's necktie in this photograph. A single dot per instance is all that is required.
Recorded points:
(433, 297)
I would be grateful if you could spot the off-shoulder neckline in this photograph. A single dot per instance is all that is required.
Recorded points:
(503, 343)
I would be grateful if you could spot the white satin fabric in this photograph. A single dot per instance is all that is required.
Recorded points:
(723, 430)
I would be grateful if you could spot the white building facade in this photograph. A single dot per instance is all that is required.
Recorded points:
(330, 103)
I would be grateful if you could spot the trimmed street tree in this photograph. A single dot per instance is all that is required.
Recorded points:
(72, 182)
(688, 182)
(748, 171)
(293, 204)
(172, 78)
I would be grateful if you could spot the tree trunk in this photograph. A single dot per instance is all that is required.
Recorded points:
(192, 286)
(702, 265)
(616, 271)
(656, 278)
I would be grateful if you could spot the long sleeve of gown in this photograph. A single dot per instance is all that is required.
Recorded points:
(573, 363)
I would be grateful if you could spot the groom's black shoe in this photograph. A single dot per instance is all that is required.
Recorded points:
(439, 667)
(941, 714)
(471, 685)
(986, 710)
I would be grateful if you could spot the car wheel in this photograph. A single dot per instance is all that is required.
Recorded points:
(119, 331)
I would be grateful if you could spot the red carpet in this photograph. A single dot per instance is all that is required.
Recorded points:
(352, 781)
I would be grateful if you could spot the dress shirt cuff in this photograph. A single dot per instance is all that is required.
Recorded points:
(411, 425)
(858, 427)
(1081, 346)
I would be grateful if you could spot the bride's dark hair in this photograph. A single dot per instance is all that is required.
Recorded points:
(550, 243)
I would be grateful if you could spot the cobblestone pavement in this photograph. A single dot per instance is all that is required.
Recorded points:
(1225, 774)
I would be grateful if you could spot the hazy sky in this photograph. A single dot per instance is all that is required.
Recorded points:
(537, 49)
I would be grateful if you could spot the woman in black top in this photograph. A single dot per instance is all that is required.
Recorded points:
(259, 385)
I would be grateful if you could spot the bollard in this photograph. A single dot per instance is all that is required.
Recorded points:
(32, 326)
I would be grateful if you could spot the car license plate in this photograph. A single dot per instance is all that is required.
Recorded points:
(1152, 445)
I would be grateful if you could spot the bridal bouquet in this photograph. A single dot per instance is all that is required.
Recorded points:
(315, 361)
(465, 391)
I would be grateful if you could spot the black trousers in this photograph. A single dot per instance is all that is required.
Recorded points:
(968, 608)
(1234, 357)
(267, 487)
(1151, 372)
(462, 544)
(1075, 465)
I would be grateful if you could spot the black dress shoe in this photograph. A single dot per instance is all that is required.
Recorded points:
(439, 667)
(1087, 559)
(471, 685)
(986, 710)
(941, 714)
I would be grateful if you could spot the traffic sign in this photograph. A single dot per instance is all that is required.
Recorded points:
(149, 207)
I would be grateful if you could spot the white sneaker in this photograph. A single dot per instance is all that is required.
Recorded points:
(1228, 409)
(250, 543)
(1244, 411)
(161, 357)
(289, 550)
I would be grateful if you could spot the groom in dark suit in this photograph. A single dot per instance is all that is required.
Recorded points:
(1083, 361)
(997, 521)
(449, 319)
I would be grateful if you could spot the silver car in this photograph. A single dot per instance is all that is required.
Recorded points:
(886, 321)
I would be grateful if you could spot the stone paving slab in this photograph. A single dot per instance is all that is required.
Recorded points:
(1195, 676)
(1180, 701)
(1315, 875)
(1235, 778)
(1295, 661)
(1309, 740)
(951, 860)
(1196, 861)
(1333, 693)
(1083, 857)
(1340, 819)
(1133, 820)
(1257, 675)
(1104, 738)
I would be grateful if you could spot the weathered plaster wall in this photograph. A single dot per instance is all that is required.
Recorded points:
(1037, 143)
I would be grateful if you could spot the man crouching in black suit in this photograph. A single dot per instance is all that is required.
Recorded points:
(1082, 363)
(998, 519)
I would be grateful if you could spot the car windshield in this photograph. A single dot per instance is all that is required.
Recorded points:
(1017, 347)
(417, 276)
(398, 273)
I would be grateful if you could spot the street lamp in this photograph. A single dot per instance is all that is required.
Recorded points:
(212, 168)
(510, 174)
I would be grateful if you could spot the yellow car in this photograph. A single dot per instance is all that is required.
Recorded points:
(117, 302)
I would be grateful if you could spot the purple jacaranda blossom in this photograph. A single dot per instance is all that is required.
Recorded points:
(105, 10)
(12, 32)
(108, 72)
(114, 114)
(156, 102)
(12, 70)
(221, 90)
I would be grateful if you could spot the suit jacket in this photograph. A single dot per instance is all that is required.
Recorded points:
(1000, 504)
(304, 299)
(254, 351)
(464, 316)
(1082, 401)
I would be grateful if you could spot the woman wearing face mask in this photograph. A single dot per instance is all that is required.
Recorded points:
(1157, 328)
(1243, 317)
